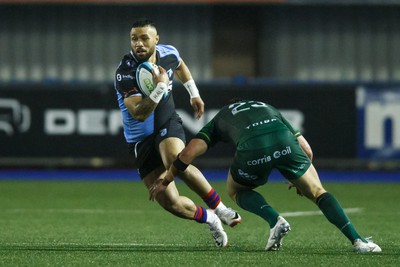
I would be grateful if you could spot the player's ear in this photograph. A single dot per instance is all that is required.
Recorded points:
(157, 38)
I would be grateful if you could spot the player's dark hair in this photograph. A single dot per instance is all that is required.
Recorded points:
(143, 23)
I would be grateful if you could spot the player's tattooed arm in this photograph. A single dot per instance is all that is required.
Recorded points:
(140, 108)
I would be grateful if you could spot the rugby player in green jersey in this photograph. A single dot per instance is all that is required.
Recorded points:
(265, 140)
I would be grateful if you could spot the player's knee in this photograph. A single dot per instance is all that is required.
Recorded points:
(314, 193)
(320, 191)
(169, 149)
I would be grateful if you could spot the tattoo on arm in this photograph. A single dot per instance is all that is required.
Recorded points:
(146, 107)
(142, 110)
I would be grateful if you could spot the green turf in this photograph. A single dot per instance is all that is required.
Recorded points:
(114, 224)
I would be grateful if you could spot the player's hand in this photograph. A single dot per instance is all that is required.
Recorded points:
(198, 106)
(158, 186)
(162, 77)
(290, 186)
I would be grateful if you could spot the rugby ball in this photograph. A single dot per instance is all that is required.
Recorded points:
(144, 77)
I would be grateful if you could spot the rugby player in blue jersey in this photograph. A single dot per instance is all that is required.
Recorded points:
(154, 132)
(265, 140)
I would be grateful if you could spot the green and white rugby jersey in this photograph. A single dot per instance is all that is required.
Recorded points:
(239, 122)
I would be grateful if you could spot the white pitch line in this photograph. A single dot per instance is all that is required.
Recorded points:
(95, 211)
(317, 212)
(104, 211)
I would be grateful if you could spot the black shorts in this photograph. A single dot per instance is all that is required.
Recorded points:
(146, 153)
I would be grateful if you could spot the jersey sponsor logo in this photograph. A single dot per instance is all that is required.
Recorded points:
(170, 74)
(260, 123)
(194, 125)
(121, 77)
(14, 116)
(262, 160)
(267, 158)
(246, 175)
(127, 77)
(286, 151)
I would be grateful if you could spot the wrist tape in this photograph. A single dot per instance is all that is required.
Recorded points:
(158, 92)
(180, 165)
(191, 88)
(166, 182)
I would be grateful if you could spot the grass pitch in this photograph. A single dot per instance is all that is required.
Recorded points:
(104, 223)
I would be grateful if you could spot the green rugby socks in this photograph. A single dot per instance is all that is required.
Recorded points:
(255, 203)
(335, 214)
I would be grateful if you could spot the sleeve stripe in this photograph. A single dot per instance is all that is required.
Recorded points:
(204, 136)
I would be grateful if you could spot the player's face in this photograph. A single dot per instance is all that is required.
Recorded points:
(143, 42)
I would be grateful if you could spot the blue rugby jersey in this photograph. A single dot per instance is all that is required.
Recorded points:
(125, 85)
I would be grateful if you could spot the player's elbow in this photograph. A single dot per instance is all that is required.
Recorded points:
(140, 118)
(137, 115)
(135, 109)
